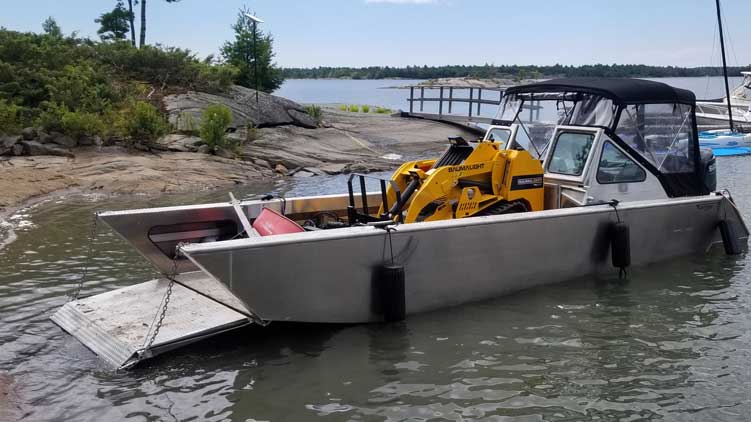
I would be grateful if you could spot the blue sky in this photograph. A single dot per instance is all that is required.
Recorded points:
(434, 32)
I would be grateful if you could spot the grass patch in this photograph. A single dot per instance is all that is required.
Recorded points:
(316, 113)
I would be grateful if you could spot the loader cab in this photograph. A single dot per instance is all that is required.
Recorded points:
(605, 139)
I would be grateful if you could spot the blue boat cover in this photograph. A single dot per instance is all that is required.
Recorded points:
(733, 151)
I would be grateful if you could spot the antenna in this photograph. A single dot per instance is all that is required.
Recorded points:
(253, 18)
(256, 20)
(724, 65)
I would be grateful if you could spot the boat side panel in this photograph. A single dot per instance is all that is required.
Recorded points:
(331, 280)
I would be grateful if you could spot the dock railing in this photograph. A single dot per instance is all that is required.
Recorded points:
(447, 97)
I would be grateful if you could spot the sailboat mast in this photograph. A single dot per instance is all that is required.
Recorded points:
(724, 65)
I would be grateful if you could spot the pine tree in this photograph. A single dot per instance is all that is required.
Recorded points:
(114, 25)
(243, 54)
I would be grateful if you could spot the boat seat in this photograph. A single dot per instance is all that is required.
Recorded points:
(270, 222)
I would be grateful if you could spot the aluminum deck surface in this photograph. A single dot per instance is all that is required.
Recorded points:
(114, 325)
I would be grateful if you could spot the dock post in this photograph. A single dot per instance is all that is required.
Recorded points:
(411, 99)
(422, 98)
(471, 96)
(440, 104)
(479, 100)
(451, 97)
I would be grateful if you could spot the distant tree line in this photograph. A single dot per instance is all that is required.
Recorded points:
(512, 71)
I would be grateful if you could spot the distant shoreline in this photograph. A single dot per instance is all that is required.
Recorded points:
(507, 72)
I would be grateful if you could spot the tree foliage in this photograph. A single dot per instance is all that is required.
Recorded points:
(81, 87)
(51, 28)
(251, 50)
(504, 71)
(114, 25)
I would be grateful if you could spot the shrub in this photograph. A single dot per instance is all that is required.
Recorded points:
(383, 110)
(9, 118)
(214, 122)
(316, 113)
(76, 124)
(354, 108)
(343, 107)
(79, 124)
(143, 122)
(366, 109)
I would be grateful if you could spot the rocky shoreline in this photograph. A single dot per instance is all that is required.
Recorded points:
(50, 164)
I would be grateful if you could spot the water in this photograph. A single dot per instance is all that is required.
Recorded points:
(673, 343)
(376, 92)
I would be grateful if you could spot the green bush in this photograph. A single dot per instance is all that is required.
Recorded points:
(9, 118)
(343, 107)
(315, 112)
(383, 110)
(143, 122)
(75, 124)
(366, 109)
(354, 108)
(214, 123)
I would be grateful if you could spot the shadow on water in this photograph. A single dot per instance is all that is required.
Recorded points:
(671, 343)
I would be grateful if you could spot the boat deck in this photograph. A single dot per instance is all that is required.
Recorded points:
(115, 325)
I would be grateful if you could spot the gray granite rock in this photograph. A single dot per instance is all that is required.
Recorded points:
(36, 148)
(185, 109)
(29, 133)
(7, 143)
(178, 142)
(63, 140)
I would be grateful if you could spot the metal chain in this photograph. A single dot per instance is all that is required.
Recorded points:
(85, 266)
(165, 304)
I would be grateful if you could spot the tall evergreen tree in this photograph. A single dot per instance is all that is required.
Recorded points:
(243, 54)
(114, 24)
(143, 20)
(131, 19)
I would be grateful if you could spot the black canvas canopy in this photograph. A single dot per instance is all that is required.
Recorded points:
(621, 90)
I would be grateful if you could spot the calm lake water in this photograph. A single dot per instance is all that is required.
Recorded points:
(672, 343)
(379, 92)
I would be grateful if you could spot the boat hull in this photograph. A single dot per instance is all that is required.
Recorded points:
(331, 276)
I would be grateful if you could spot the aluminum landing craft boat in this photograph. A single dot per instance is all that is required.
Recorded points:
(554, 199)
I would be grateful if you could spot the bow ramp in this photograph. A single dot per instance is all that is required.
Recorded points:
(119, 325)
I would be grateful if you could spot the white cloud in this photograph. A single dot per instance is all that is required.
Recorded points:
(402, 1)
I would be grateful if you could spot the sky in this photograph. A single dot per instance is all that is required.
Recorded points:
(310, 33)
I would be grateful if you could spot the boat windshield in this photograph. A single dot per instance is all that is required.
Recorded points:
(538, 115)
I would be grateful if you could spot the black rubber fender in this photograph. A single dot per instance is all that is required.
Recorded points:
(620, 245)
(391, 289)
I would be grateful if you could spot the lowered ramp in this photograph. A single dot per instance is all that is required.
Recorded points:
(115, 325)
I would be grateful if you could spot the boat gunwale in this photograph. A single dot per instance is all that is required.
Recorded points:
(363, 231)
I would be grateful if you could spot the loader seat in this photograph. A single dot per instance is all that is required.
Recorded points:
(455, 154)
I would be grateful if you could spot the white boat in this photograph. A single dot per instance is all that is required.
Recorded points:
(621, 153)
(726, 142)
(713, 114)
